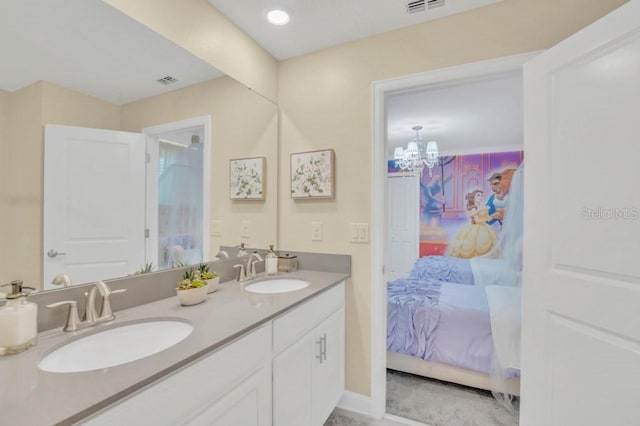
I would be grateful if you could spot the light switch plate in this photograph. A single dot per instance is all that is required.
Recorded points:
(316, 231)
(244, 229)
(359, 232)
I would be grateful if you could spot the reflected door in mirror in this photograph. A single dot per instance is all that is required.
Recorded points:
(94, 203)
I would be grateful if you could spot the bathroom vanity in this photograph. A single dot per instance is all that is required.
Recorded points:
(251, 359)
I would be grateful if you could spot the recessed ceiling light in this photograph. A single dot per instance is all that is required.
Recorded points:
(278, 17)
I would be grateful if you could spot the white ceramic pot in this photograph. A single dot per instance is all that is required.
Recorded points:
(212, 284)
(192, 296)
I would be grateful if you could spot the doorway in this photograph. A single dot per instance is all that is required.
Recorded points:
(178, 188)
(383, 90)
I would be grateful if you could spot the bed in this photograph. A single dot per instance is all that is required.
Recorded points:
(480, 271)
(446, 330)
(457, 319)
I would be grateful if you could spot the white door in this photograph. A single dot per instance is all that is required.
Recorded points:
(94, 203)
(581, 295)
(403, 224)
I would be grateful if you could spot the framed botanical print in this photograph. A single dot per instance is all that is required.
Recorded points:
(313, 174)
(247, 178)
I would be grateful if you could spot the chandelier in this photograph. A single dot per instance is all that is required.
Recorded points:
(416, 156)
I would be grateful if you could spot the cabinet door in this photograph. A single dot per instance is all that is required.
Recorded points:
(328, 372)
(249, 404)
(292, 375)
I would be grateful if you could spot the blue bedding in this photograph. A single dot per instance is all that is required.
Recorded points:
(443, 268)
(438, 321)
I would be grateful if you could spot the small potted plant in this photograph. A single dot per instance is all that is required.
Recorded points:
(192, 289)
(211, 278)
(147, 268)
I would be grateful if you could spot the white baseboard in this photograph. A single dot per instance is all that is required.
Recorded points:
(355, 402)
(361, 404)
(404, 421)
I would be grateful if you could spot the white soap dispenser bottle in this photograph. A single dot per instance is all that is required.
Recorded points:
(18, 321)
(271, 262)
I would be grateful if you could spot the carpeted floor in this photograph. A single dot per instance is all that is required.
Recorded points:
(432, 402)
(440, 403)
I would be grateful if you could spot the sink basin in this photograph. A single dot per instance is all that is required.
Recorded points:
(277, 285)
(116, 346)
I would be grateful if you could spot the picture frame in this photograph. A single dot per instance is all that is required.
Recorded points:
(313, 174)
(247, 178)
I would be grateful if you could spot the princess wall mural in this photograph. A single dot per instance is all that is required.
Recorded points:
(463, 202)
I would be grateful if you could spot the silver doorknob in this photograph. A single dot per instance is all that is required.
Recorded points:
(55, 253)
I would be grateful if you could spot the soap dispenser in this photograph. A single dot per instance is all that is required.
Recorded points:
(18, 321)
(271, 262)
(242, 251)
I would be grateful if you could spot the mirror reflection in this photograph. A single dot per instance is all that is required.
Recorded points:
(106, 172)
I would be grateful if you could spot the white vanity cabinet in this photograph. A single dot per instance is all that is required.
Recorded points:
(230, 387)
(289, 371)
(308, 363)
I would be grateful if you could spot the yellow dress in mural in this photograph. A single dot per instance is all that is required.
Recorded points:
(475, 239)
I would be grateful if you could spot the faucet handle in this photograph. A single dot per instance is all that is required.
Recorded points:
(73, 319)
(242, 276)
(256, 259)
(106, 314)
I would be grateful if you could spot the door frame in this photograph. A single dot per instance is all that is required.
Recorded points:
(381, 90)
(153, 132)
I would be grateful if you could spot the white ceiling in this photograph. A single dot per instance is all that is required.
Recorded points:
(90, 47)
(481, 115)
(317, 24)
(87, 46)
(461, 118)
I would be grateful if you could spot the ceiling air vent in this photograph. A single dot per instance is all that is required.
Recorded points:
(167, 80)
(416, 6)
(432, 4)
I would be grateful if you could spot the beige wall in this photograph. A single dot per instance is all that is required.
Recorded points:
(70, 108)
(29, 109)
(202, 30)
(24, 183)
(243, 124)
(326, 102)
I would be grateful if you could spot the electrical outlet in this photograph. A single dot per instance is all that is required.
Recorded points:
(316, 231)
(244, 229)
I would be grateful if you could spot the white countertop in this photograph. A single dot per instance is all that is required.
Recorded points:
(29, 396)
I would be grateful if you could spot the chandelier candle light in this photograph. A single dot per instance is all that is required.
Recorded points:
(415, 156)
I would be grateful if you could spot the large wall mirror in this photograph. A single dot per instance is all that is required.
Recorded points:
(80, 73)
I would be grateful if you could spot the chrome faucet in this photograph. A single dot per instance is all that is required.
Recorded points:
(247, 270)
(91, 316)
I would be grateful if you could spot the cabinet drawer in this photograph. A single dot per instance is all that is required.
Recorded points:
(292, 325)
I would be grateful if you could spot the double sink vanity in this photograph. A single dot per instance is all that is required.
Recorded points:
(261, 352)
